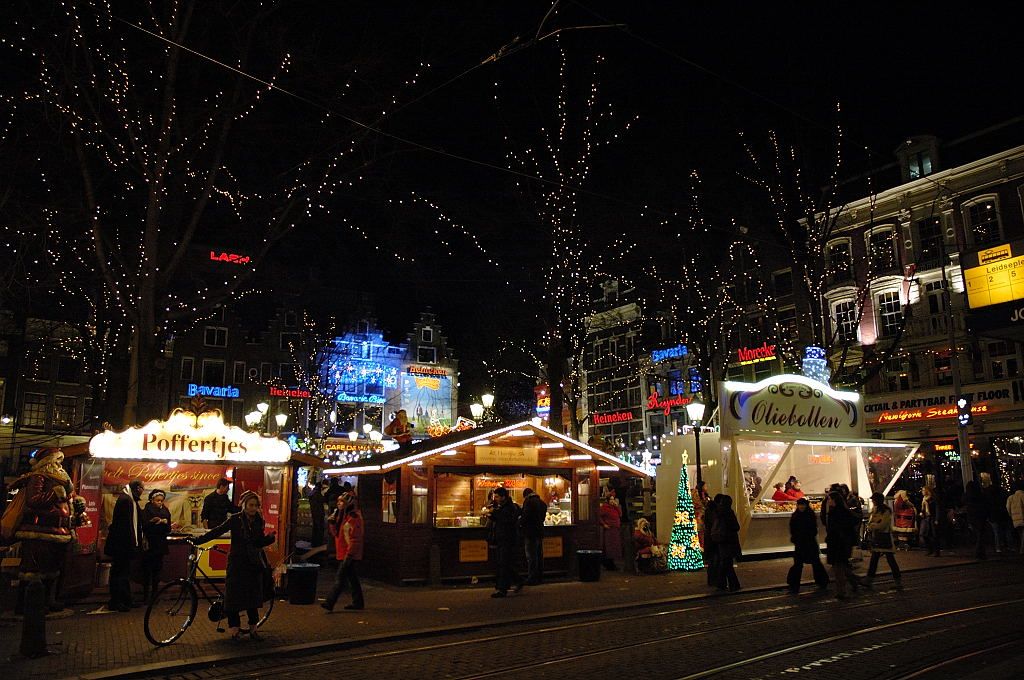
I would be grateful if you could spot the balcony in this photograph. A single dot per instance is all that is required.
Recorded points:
(934, 326)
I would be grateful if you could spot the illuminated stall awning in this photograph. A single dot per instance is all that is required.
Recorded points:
(185, 436)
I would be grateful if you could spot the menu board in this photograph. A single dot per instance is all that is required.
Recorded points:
(994, 276)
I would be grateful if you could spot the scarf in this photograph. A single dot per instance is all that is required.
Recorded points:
(135, 513)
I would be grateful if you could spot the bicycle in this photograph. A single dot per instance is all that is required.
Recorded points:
(174, 606)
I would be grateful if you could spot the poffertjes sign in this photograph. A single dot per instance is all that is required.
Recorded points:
(185, 437)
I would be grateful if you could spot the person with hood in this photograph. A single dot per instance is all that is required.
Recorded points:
(1015, 508)
(249, 579)
(931, 511)
(880, 538)
(347, 528)
(840, 537)
(535, 510)
(124, 540)
(156, 526)
(726, 536)
(977, 507)
(803, 532)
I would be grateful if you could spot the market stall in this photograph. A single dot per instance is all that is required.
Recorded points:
(185, 456)
(422, 504)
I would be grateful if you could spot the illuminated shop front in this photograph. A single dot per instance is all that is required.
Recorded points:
(185, 456)
(432, 495)
(792, 426)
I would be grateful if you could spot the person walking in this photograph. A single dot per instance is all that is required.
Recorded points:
(803, 532)
(124, 538)
(217, 506)
(880, 524)
(249, 579)
(930, 512)
(998, 518)
(504, 523)
(156, 525)
(347, 528)
(710, 547)
(840, 536)
(532, 523)
(317, 516)
(1015, 508)
(726, 535)
(610, 518)
(978, 513)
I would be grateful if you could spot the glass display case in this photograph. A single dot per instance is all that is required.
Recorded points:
(462, 499)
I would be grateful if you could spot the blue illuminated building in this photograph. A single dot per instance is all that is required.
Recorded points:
(363, 367)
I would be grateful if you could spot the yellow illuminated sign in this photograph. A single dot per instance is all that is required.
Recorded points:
(998, 278)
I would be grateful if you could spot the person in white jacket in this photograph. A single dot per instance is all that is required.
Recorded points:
(1015, 506)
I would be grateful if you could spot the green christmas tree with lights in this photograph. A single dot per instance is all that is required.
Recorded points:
(684, 553)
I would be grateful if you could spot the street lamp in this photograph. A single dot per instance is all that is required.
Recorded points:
(263, 407)
(281, 419)
(477, 410)
(252, 419)
(487, 400)
(367, 427)
(353, 435)
(695, 412)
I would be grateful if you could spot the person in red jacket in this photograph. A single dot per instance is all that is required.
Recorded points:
(780, 495)
(346, 526)
(793, 488)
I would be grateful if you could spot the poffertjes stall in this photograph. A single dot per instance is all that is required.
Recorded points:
(185, 456)
(789, 426)
(422, 504)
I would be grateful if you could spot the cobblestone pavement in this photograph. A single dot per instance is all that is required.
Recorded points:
(92, 644)
(950, 622)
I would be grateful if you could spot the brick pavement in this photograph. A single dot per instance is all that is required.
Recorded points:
(87, 644)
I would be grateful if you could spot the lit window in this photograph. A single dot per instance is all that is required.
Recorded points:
(920, 164)
(890, 313)
(65, 413)
(931, 247)
(839, 261)
(983, 223)
(33, 410)
(882, 249)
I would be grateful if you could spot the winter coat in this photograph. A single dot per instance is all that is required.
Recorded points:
(348, 536)
(609, 516)
(504, 523)
(125, 533)
(840, 534)
(532, 518)
(156, 532)
(726, 534)
(880, 528)
(1015, 508)
(248, 569)
(781, 496)
(803, 533)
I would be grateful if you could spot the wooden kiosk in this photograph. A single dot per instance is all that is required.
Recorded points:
(422, 503)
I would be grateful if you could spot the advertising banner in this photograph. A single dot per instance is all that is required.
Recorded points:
(427, 399)
(160, 475)
(89, 489)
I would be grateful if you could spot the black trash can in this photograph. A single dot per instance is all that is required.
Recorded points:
(589, 564)
(302, 583)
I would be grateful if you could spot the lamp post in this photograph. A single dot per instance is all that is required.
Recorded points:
(263, 408)
(281, 419)
(353, 436)
(695, 412)
(477, 410)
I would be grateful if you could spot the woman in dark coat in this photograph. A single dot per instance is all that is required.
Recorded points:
(726, 535)
(977, 507)
(840, 536)
(156, 525)
(803, 532)
(248, 573)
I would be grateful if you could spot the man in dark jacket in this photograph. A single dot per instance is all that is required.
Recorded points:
(217, 506)
(803, 532)
(532, 521)
(123, 542)
(317, 516)
(505, 535)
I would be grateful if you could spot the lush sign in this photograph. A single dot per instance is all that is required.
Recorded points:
(677, 352)
(790, 404)
(226, 392)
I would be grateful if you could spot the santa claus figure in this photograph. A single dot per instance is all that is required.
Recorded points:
(399, 429)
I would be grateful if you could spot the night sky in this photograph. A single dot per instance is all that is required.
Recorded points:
(694, 75)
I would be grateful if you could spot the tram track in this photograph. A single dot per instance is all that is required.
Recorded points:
(758, 616)
(1012, 641)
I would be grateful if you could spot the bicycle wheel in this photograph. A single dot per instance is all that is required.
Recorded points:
(265, 614)
(171, 612)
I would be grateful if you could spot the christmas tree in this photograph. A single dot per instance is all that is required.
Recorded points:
(684, 553)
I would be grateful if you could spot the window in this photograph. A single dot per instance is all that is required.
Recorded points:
(919, 164)
(426, 355)
(782, 282)
(583, 495)
(890, 314)
(33, 410)
(930, 244)
(882, 251)
(845, 317)
(419, 496)
(266, 371)
(187, 367)
(236, 416)
(762, 370)
(427, 334)
(69, 370)
(87, 410)
(983, 223)
(289, 341)
(936, 302)
(215, 336)
(238, 373)
(897, 377)
(787, 322)
(213, 372)
(287, 374)
(1003, 360)
(943, 370)
(839, 261)
(65, 413)
(389, 498)
(291, 319)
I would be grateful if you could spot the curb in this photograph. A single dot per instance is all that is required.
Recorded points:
(320, 646)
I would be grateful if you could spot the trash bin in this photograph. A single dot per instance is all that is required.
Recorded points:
(589, 563)
(302, 583)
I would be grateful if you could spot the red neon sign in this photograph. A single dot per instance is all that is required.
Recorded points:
(608, 418)
(752, 355)
(233, 258)
(931, 413)
(666, 406)
(296, 393)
